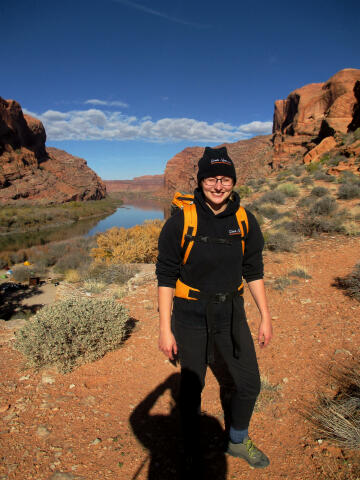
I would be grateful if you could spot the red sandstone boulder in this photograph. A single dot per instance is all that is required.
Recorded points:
(30, 172)
(316, 153)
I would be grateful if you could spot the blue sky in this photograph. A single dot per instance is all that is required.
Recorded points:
(128, 84)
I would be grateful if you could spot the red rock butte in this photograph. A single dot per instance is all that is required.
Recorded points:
(30, 172)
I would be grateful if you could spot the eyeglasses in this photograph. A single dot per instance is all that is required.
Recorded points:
(212, 181)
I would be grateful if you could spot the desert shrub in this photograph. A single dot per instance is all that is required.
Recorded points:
(299, 272)
(289, 189)
(306, 202)
(58, 250)
(21, 273)
(350, 283)
(283, 175)
(337, 418)
(319, 191)
(243, 190)
(4, 261)
(72, 332)
(313, 167)
(351, 228)
(349, 177)
(324, 206)
(72, 276)
(133, 245)
(269, 211)
(307, 181)
(18, 257)
(320, 175)
(71, 261)
(309, 224)
(281, 283)
(297, 170)
(348, 191)
(274, 196)
(93, 286)
(279, 241)
(329, 178)
(117, 273)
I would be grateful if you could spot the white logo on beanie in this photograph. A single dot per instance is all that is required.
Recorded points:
(216, 161)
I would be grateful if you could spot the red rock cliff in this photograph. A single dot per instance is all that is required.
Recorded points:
(312, 113)
(146, 183)
(31, 172)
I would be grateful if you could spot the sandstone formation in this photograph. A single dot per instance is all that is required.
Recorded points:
(314, 112)
(316, 153)
(250, 158)
(146, 183)
(31, 172)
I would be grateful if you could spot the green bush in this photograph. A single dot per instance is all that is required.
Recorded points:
(274, 196)
(319, 191)
(309, 224)
(269, 211)
(243, 190)
(72, 260)
(281, 283)
(324, 206)
(349, 177)
(320, 175)
(72, 332)
(279, 241)
(306, 201)
(289, 189)
(307, 181)
(313, 167)
(298, 170)
(299, 272)
(348, 191)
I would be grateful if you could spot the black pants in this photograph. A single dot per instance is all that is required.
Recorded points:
(192, 340)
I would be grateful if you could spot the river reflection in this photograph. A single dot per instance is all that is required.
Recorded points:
(125, 216)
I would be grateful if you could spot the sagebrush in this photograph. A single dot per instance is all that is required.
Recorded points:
(72, 332)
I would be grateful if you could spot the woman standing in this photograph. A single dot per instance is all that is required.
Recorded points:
(213, 272)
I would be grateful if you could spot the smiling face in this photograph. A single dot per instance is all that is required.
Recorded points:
(216, 195)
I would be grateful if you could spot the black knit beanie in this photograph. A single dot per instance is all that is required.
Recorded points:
(214, 162)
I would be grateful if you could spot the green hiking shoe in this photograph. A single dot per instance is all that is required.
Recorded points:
(249, 452)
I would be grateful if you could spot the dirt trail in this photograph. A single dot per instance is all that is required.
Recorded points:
(113, 419)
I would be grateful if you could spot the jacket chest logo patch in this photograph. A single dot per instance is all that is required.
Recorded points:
(236, 231)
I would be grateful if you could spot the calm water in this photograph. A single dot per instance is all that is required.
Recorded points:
(127, 216)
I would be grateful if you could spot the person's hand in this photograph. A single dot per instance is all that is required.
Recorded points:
(167, 344)
(265, 332)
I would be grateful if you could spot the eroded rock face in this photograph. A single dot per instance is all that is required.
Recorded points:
(312, 113)
(31, 172)
(146, 183)
(250, 158)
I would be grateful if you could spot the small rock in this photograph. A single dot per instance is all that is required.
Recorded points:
(24, 377)
(285, 380)
(42, 431)
(342, 350)
(320, 441)
(47, 380)
(275, 318)
(72, 385)
(4, 408)
(304, 301)
(96, 441)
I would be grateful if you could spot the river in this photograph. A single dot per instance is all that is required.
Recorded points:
(128, 215)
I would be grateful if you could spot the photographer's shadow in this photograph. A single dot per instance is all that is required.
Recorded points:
(160, 435)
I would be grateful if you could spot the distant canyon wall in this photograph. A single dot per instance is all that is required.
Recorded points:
(30, 172)
(146, 183)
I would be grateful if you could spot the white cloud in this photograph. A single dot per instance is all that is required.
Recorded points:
(107, 103)
(94, 124)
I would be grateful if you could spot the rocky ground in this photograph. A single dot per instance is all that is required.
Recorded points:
(114, 419)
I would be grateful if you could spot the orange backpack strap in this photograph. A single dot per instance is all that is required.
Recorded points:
(190, 229)
(243, 222)
(185, 202)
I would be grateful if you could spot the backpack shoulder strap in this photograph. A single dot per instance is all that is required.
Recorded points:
(185, 202)
(243, 223)
(190, 229)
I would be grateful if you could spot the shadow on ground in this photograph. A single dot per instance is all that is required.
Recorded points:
(159, 434)
(11, 295)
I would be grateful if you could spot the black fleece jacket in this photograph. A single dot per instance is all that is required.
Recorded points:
(211, 267)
